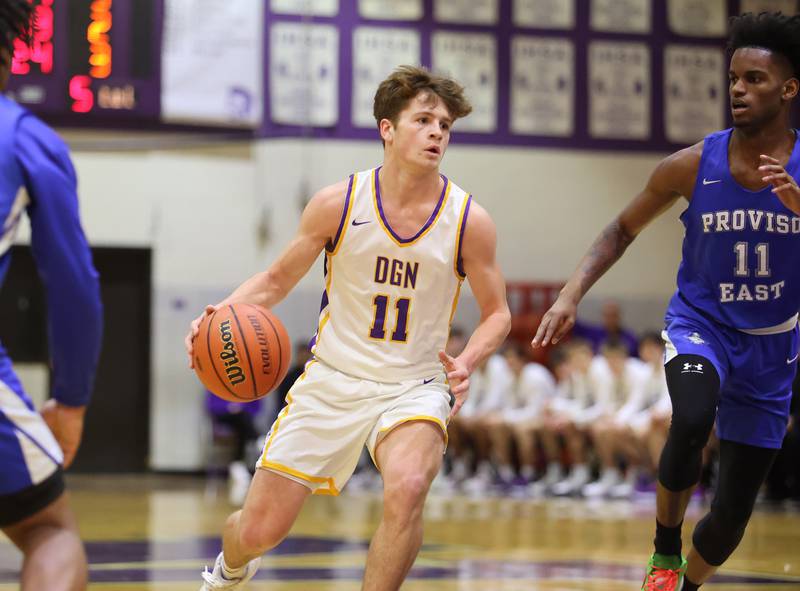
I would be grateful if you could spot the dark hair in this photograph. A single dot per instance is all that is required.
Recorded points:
(406, 82)
(653, 337)
(772, 31)
(15, 22)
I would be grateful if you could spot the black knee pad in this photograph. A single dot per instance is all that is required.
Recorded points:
(694, 390)
(742, 470)
(718, 534)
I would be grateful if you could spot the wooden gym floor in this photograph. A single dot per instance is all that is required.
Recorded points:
(157, 533)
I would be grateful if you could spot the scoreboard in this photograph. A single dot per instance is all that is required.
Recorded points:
(91, 60)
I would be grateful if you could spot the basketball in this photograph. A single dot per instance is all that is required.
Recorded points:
(241, 352)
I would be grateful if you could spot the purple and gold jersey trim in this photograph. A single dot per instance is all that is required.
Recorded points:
(376, 198)
(333, 247)
(458, 262)
(330, 250)
(324, 313)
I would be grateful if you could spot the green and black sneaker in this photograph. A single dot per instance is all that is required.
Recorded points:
(664, 573)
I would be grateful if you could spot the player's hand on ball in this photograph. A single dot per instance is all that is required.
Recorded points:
(66, 423)
(193, 329)
(458, 378)
(555, 323)
(783, 185)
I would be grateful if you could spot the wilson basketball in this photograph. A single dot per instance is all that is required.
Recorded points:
(241, 352)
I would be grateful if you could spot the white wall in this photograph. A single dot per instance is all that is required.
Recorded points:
(215, 215)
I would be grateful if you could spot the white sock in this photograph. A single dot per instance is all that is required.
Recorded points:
(231, 573)
(527, 472)
(580, 471)
(554, 468)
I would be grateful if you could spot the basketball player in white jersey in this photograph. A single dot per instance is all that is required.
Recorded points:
(399, 240)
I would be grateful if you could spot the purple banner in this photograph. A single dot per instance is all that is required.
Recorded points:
(582, 41)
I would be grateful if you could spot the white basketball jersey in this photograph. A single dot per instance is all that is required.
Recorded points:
(389, 300)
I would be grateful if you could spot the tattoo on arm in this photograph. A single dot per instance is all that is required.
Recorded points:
(604, 252)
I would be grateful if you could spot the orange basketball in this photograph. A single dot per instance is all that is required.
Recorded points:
(241, 352)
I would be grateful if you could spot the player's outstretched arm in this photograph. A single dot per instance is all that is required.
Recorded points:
(673, 177)
(488, 286)
(318, 226)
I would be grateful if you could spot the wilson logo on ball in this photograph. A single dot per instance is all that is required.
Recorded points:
(241, 352)
(229, 355)
(263, 346)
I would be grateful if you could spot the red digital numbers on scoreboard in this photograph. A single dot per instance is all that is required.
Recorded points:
(80, 91)
(40, 51)
(89, 59)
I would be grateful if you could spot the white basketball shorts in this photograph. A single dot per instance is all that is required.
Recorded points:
(330, 416)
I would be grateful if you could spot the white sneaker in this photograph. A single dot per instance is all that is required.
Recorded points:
(624, 490)
(621, 491)
(536, 489)
(578, 477)
(563, 487)
(545, 484)
(214, 581)
(599, 488)
(480, 483)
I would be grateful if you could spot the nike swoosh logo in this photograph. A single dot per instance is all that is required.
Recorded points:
(427, 381)
(355, 223)
(708, 182)
(792, 360)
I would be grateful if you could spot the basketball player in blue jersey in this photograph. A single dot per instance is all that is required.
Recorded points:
(399, 240)
(36, 176)
(731, 327)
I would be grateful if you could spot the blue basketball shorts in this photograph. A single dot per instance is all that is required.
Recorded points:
(755, 373)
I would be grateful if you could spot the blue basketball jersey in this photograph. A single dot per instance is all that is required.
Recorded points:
(37, 178)
(741, 248)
